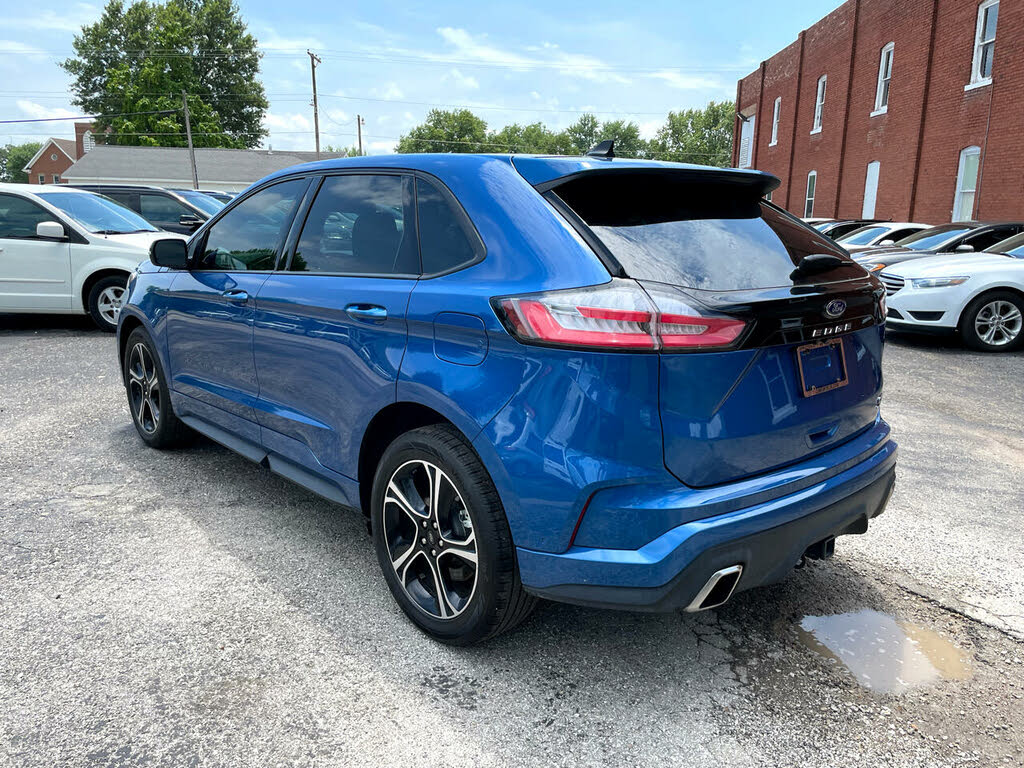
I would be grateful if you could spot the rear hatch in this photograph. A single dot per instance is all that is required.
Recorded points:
(803, 372)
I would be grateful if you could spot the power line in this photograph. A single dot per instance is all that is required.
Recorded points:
(90, 117)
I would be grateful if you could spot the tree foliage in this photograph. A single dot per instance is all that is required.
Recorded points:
(140, 57)
(13, 158)
(701, 136)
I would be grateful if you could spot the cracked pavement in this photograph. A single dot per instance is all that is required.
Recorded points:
(190, 608)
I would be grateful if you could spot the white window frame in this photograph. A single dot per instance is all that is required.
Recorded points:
(88, 142)
(884, 79)
(977, 81)
(42, 178)
(819, 103)
(776, 114)
(746, 160)
(957, 214)
(865, 212)
(56, 178)
(809, 194)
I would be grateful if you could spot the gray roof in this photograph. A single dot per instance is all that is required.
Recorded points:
(170, 165)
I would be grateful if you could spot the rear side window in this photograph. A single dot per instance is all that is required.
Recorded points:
(679, 229)
(988, 238)
(249, 235)
(18, 217)
(444, 242)
(357, 226)
(161, 210)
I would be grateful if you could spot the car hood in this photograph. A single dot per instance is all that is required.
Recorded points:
(893, 257)
(136, 240)
(950, 264)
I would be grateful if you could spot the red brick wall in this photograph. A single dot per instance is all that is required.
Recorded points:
(918, 158)
(49, 167)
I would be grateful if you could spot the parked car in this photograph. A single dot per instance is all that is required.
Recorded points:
(959, 237)
(67, 251)
(978, 295)
(610, 382)
(162, 208)
(884, 233)
(839, 228)
(224, 197)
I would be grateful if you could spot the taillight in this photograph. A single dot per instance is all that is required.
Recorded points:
(616, 315)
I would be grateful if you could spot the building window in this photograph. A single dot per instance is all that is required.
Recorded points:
(819, 104)
(984, 43)
(870, 190)
(56, 178)
(747, 141)
(966, 184)
(768, 195)
(53, 157)
(88, 141)
(775, 122)
(884, 76)
(42, 178)
(812, 182)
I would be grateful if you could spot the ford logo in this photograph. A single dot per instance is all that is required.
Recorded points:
(835, 308)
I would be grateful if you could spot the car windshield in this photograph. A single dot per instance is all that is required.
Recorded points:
(97, 214)
(862, 236)
(1011, 246)
(203, 202)
(930, 239)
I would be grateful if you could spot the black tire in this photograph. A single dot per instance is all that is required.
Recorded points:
(1000, 342)
(149, 400)
(102, 309)
(497, 601)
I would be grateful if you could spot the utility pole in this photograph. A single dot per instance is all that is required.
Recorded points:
(359, 133)
(313, 61)
(188, 135)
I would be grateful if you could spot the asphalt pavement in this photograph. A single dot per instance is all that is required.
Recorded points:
(190, 608)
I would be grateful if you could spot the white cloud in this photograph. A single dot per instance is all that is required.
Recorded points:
(380, 147)
(39, 112)
(649, 128)
(71, 20)
(465, 82)
(21, 49)
(392, 91)
(684, 82)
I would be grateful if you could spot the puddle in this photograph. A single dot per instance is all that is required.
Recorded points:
(884, 654)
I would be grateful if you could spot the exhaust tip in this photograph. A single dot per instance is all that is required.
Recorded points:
(717, 589)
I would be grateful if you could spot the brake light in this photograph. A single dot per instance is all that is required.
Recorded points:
(616, 315)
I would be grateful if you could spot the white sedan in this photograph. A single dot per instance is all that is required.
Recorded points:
(879, 234)
(67, 251)
(978, 295)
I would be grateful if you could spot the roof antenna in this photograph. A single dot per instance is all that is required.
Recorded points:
(603, 149)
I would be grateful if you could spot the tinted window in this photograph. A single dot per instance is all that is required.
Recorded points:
(935, 237)
(18, 217)
(672, 228)
(249, 235)
(127, 199)
(899, 234)
(204, 203)
(862, 236)
(356, 226)
(444, 243)
(97, 214)
(162, 210)
(990, 237)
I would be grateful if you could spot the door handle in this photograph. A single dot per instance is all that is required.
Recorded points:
(236, 296)
(371, 313)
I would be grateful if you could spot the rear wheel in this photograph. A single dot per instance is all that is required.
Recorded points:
(105, 300)
(442, 539)
(148, 396)
(994, 322)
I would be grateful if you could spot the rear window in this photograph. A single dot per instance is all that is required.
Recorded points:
(674, 228)
(862, 236)
(927, 239)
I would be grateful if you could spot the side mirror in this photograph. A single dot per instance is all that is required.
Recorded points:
(964, 248)
(190, 220)
(171, 252)
(887, 242)
(51, 230)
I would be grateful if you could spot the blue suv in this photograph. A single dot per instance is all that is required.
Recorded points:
(603, 381)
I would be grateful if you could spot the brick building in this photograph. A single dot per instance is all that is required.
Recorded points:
(48, 165)
(894, 109)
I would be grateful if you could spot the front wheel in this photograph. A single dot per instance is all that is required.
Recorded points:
(994, 322)
(442, 539)
(105, 300)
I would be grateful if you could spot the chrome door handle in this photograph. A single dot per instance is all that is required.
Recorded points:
(371, 313)
(235, 295)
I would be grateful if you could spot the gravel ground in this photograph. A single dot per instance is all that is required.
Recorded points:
(190, 608)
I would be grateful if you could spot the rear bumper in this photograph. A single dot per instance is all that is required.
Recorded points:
(767, 539)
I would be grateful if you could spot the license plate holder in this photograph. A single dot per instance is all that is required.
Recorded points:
(822, 366)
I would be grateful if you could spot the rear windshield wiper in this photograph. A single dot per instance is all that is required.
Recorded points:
(814, 263)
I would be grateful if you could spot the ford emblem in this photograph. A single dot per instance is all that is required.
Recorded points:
(835, 308)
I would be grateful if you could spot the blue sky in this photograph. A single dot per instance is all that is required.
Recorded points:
(391, 61)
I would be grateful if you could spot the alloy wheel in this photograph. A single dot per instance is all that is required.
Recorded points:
(430, 539)
(109, 303)
(998, 323)
(144, 388)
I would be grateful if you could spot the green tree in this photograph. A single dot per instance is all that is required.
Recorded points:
(343, 151)
(13, 158)
(702, 136)
(534, 138)
(456, 130)
(140, 57)
(628, 142)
